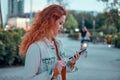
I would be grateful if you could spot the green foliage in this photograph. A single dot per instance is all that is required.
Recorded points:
(109, 39)
(103, 0)
(71, 22)
(94, 35)
(9, 47)
(73, 36)
(88, 18)
(111, 14)
(100, 20)
(104, 29)
(1, 27)
(113, 39)
(116, 40)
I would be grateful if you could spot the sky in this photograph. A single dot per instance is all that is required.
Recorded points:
(81, 5)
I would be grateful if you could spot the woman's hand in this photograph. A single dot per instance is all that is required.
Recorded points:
(58, 67)
(75, 58)
(60, 64)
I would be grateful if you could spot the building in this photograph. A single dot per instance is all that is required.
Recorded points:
(12, 14)
(15, 8)
(17, 22)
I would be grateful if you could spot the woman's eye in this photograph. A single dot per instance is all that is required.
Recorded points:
(60, 23)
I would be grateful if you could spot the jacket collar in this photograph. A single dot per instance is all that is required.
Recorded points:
(49, 44)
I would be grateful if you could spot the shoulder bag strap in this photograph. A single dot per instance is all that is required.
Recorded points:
(63, 73)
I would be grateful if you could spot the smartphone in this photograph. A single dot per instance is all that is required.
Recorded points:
(78, 53)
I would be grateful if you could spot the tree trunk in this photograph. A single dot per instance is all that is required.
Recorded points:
(1, 21)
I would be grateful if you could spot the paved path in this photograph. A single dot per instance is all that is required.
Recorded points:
(102, 63)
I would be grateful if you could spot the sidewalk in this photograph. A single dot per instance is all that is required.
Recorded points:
(11, 73)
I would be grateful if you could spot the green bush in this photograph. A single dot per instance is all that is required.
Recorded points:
(109, 38)
(94, 35)
(9, 47)
(116, 40)
(73, 36)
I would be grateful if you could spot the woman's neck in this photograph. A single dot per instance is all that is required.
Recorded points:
(51, 39)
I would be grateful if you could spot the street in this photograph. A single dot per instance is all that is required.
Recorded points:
(102, 62)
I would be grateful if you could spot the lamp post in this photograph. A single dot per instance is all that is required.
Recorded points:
(94, 25)
(94, 21)
(108, 19)
(83, 21)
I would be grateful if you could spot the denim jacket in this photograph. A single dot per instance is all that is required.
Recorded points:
(41, 59)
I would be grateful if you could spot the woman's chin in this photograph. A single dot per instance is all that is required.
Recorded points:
(59, 32)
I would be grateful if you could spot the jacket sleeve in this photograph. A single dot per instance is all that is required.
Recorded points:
(32, 64)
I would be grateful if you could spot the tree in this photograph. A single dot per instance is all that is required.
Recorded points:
(100, 20)
(87, 18)
(71, 23)
(111, 13)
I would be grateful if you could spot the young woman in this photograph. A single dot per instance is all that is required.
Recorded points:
(45, 59)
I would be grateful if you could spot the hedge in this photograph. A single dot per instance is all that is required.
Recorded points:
(9, 47)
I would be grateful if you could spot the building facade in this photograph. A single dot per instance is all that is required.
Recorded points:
(15, 8)
(3, 12)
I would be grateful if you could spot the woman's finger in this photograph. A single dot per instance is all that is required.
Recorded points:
(62, 63)
(76, 57)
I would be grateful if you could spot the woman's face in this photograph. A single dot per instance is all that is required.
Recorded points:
(59, 24)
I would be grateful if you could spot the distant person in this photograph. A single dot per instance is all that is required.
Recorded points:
(84, 34)
(45, 58)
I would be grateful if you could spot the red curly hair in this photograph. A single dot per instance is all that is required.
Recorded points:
(43, 26)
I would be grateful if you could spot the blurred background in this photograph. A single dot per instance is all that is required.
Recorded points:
(102, 18)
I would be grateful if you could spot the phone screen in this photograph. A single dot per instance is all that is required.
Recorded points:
(78, 53)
